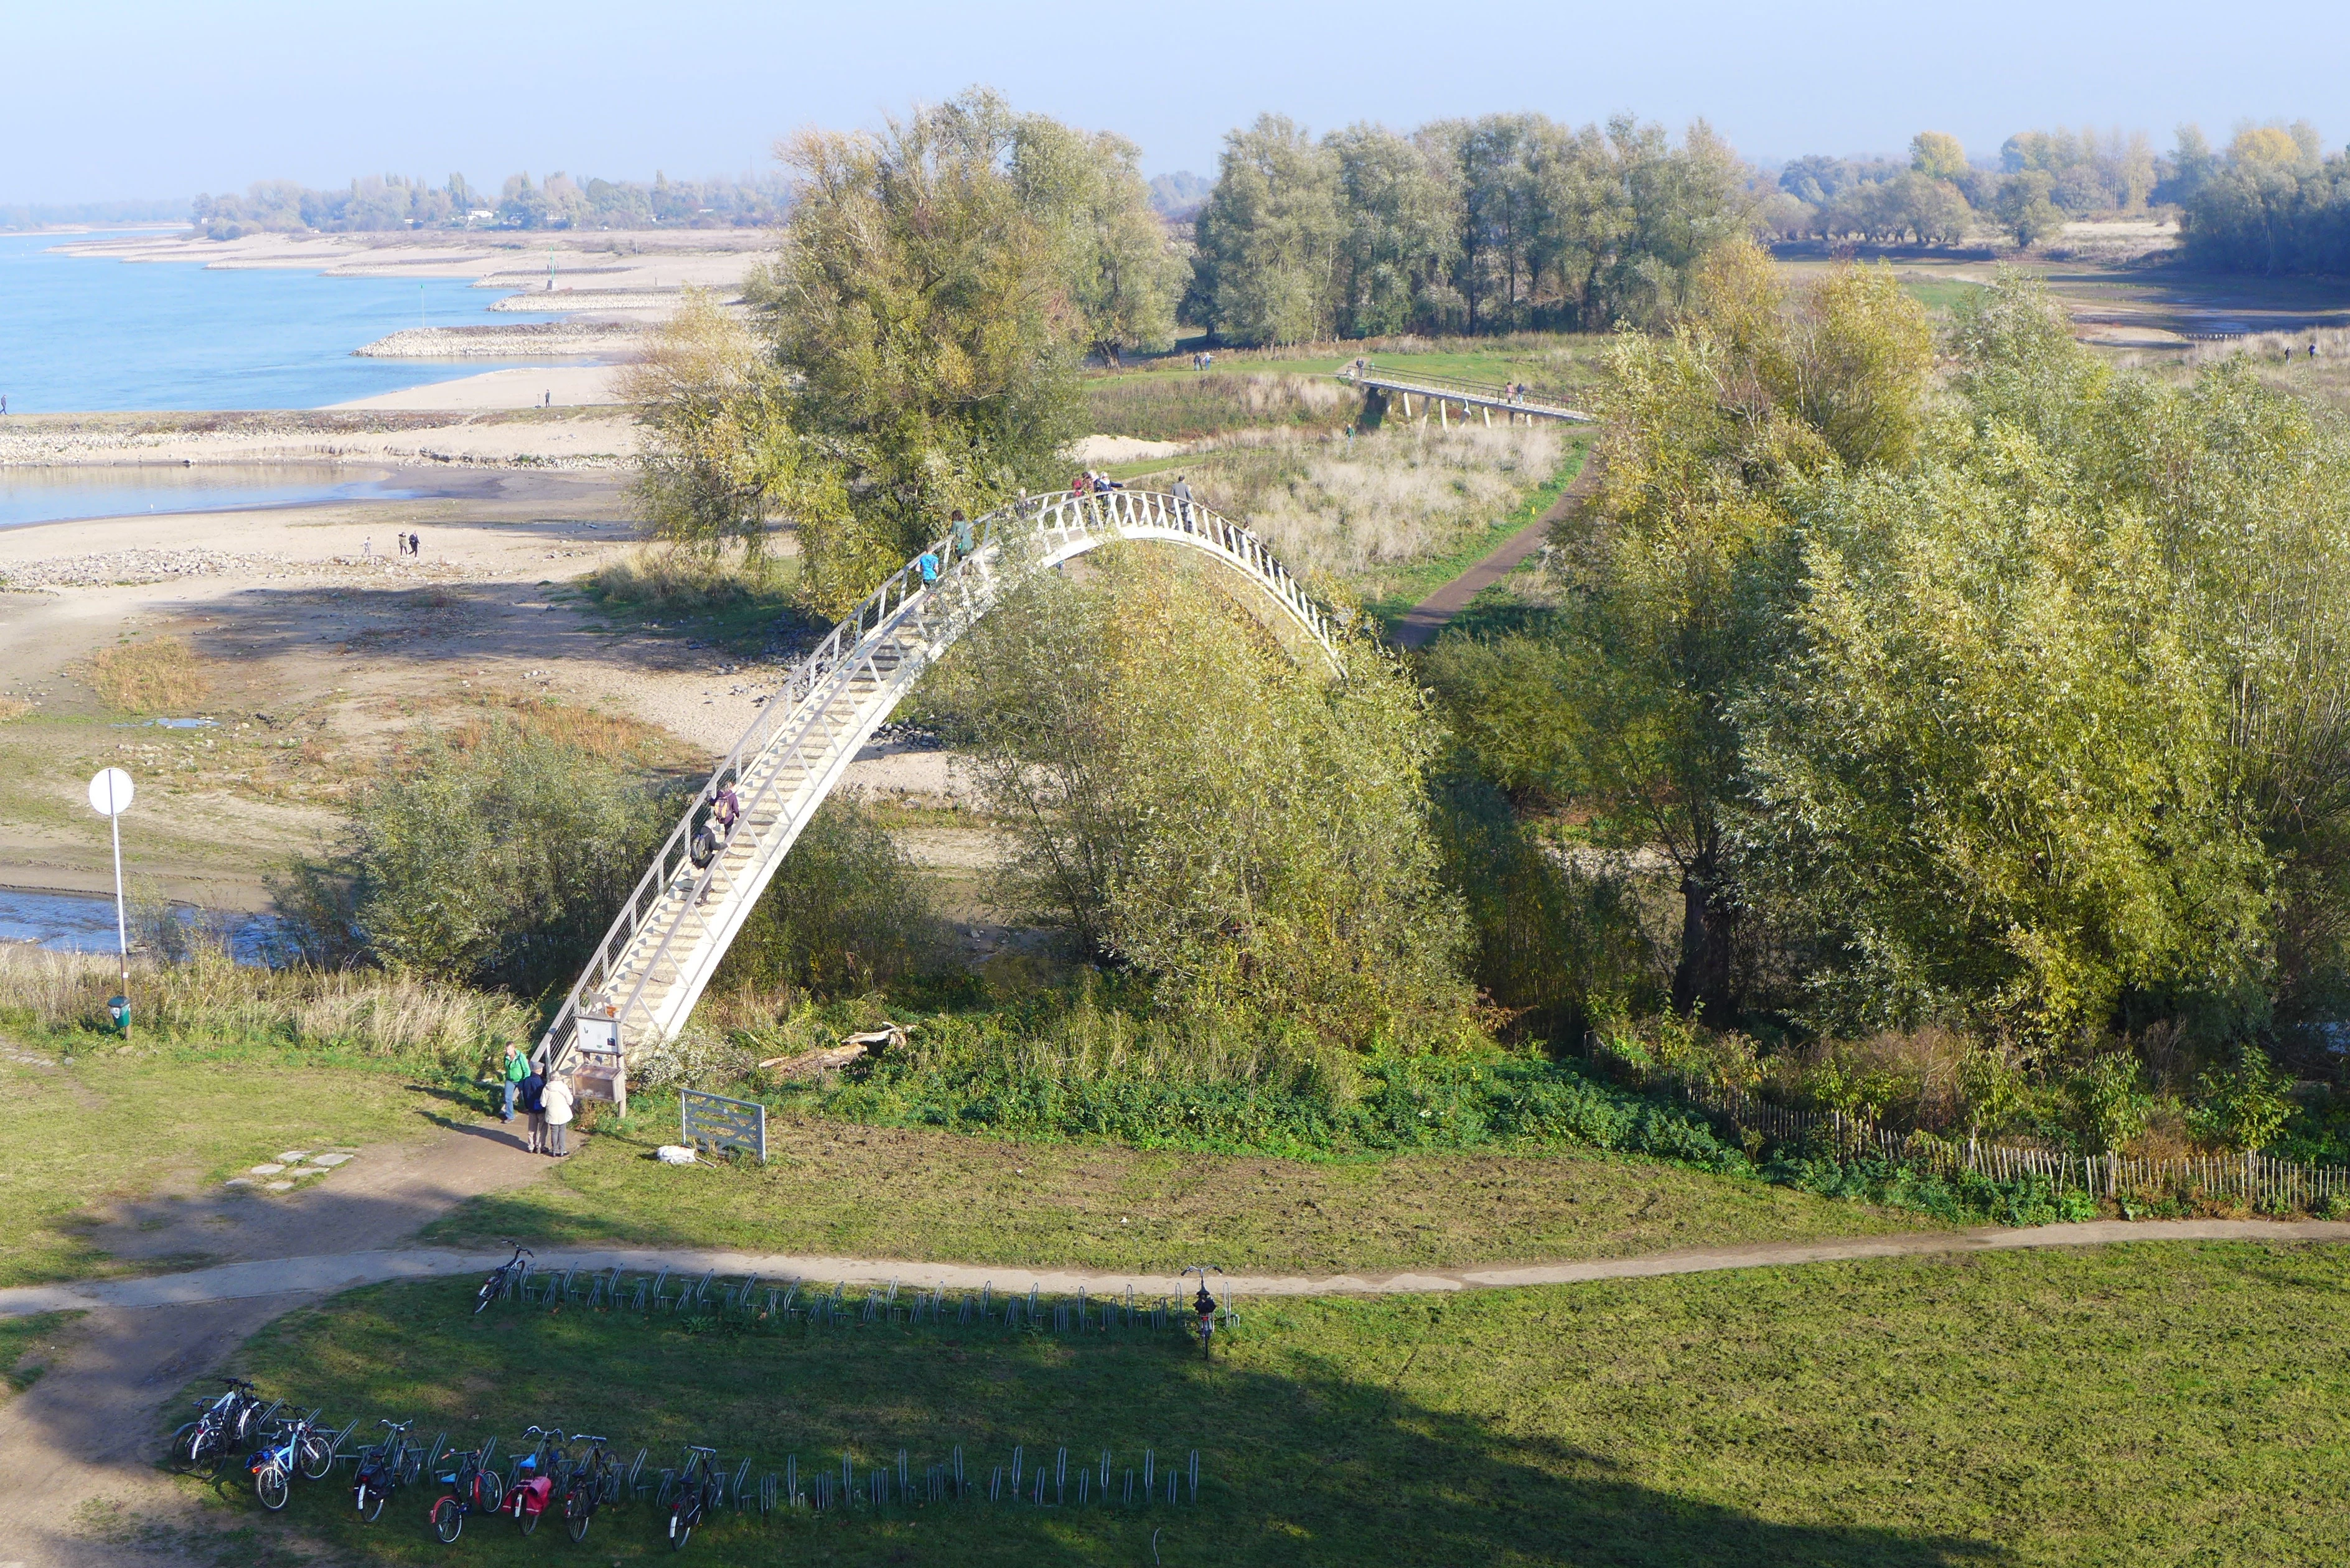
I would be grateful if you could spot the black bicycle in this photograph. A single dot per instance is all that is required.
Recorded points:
(495, 1285)
(471, 1487)
(226, 1425)
(1204, 1306)
(696, 1494)
(382, 1468)
(590, 1482)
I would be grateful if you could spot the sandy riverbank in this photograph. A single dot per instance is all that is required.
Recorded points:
(522, 340)
(432, 431)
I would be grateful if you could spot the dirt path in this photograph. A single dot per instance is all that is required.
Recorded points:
(79, 1444)
(1420, 623)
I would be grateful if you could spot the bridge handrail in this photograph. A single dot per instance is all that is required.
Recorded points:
(843, 649)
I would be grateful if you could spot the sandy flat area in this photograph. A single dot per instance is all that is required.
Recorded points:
(474, 431)
(324, 648)
(522, 387)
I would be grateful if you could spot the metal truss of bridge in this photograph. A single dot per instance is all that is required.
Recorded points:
(666, 941)
(1438, 393)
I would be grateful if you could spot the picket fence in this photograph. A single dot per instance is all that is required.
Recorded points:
(2252, 1181)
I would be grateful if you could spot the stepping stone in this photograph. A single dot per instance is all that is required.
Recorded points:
(311, 1170)
(238, 1181)
(332, 1160)
(268, 1170)
(293, 1155)
(280, 1185)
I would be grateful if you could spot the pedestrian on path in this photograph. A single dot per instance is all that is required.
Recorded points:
(517, 1068)
(534, 1111)
(557, 1098)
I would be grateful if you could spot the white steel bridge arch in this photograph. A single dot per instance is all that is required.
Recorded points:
(677, 922)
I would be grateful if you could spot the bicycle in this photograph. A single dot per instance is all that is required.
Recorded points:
(382, 1468)
(1205, 1304)
(536, 1475)
(697, 1485)
(494, 1286)
(225, 1423)
(473, 1487)
(591, 1480)
(295, 1449)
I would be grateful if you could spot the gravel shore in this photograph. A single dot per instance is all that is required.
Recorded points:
(520, 341)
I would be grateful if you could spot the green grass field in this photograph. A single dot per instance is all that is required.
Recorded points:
(1425, 578)
(100, 1126)
(915, 1193)
(2133, 1405)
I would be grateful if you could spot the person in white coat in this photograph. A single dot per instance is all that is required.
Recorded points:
(558, 1100)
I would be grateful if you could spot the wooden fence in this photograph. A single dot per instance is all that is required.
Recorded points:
(2253, 1180)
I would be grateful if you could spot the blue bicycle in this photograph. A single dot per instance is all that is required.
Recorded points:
(296, 1448)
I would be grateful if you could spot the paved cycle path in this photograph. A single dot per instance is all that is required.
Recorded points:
(333, 1271)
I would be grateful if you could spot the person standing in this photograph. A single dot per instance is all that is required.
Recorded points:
(1181, 490)
(517, 1068)
(558, 1099)
(534, 1110)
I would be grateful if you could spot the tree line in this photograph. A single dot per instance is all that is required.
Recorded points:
(380, 203)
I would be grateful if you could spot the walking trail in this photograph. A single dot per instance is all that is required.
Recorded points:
(1420, 623)
(80, 1489)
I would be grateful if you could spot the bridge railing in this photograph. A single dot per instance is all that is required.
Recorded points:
(1547, 398)
(842, 649)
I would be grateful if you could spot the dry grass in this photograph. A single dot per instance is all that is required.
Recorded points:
(151, 675)
(1333, 509)
(1196, 408)
(13, 708)
(365, 1011)
(689, 582)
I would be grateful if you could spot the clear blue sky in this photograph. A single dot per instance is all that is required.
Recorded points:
(133, 98)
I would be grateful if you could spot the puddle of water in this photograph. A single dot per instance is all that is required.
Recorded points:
(168, 724)
(30, 495)
(84, 923)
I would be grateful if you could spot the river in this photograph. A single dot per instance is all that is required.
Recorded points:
(81, 334)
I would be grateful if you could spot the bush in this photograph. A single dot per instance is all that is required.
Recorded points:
(151, 675)
(846, 912)
(494, 856)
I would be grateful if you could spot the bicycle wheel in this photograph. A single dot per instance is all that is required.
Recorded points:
(181, 1457)
(1207, 1336)
(489, 1293)
(448, 1518)
(680, 1532)
(578, 1510)
(316, 1457)
(524, 1520)
(269, 1486)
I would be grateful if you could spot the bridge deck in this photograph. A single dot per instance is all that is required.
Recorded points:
(1468, 394)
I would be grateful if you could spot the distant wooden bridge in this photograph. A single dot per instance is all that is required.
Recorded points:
(1440, 392)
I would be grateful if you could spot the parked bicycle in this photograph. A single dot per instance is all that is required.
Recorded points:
(383, 1467)
(1205, 1304)
(537, 1477)
(592, 1482)
(495, 1285)
(226, 1425)
(696, 1494)
(472, 1486)
(298, 1447)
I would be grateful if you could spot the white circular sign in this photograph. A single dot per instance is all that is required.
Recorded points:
(109, 792)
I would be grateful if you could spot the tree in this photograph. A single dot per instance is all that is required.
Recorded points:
(1189, 802)
(720, 456)
(1088, 190)
(1938, 155)
(1402, 241)
(1268, 241)
(2024, 207)
(924, 316)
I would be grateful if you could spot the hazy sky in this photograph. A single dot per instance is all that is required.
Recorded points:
(131, 97)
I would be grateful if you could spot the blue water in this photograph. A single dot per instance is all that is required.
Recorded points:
(84, 923)
(83, 334)
(59, 494)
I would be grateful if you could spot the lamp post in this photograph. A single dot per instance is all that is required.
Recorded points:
(109, 796)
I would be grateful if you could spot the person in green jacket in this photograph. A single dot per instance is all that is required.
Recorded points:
(517, 1069)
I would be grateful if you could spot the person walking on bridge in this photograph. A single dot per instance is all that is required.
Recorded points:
(1181, 490)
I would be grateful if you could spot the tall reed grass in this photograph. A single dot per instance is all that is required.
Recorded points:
(210, 999)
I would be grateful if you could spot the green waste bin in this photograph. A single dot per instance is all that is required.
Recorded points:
(118, 1007)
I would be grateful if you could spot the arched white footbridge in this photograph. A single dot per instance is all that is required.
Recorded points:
(666, 941)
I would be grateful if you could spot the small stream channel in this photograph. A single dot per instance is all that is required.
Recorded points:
(84, 923)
